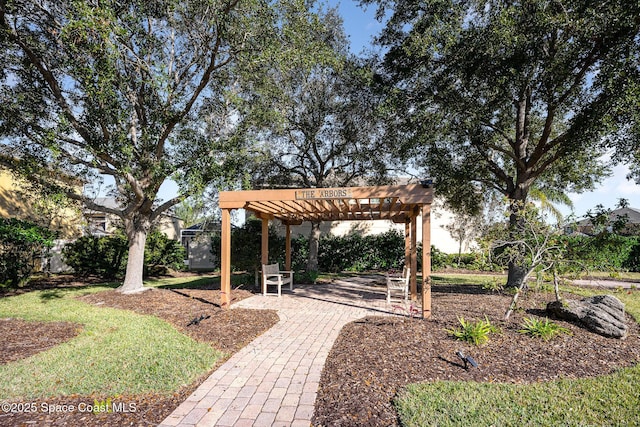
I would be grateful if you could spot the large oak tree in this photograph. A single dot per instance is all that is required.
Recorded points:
(326, 132)
(501, 95)
(140, 91)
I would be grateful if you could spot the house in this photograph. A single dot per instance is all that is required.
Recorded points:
(17, 201)
(197, 243)
(630, 215)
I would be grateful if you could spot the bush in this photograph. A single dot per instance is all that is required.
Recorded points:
(246, 246)
(355, 252)
(604, 252)
(107, 256)
(22, 245)
(100, 256)
(162, 253)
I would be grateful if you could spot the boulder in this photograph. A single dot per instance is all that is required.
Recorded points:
(602, 314)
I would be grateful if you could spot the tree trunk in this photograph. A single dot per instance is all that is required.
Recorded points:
(137, 235)
(314, 243)
(517, 273)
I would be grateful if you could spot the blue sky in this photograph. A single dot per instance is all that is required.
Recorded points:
(360, 25)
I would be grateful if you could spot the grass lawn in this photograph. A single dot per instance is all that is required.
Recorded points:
(603, 401)
(116, 352)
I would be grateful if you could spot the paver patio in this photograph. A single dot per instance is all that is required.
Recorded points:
(274, 380)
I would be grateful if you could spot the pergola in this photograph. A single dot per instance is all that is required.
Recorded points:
(398, 203)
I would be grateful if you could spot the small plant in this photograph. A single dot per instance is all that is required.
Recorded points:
(542, 328)
(492, 285)
(475, 333)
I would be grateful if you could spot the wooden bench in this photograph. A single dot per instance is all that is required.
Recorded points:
(398, 282)
(273, 276)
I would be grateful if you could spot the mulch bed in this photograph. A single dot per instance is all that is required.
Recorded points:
(225, 330)
(375, 357)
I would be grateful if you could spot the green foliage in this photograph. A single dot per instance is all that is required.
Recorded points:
(493, 285)
(439, 259)
(106, 256)
(603, 252)
(22, 245)
(476, 333)
(507, 96)
(144, 91)
(539, 328)
(103, 256)
(352, 252)
(162, 253)
(355, 252)
(246, 246)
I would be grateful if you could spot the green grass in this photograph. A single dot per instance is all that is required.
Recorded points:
(604, 401)
(116, 352)
(623, 275)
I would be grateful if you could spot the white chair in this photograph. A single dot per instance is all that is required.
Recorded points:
(272, 275)
(398, 282)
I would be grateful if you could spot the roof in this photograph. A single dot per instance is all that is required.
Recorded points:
(393, 202)
(633, 216)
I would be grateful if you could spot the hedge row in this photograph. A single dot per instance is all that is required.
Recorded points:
(355, 252)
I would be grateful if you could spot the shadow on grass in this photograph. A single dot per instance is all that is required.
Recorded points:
(241, 280)
(459, 289)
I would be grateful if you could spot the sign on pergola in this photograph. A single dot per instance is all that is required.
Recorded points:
(398, 203)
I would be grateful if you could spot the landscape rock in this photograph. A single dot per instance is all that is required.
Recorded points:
(602, 314)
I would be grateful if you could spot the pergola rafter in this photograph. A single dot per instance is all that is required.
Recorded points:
(398, 203)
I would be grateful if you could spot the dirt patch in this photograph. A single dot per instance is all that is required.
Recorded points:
(226, 330)
(374, 357)
(22, 339)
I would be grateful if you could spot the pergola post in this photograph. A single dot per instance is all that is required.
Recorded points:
(407, 244)
(426, 261)
(264, 258)
(225, 259)
(287, 257)
(413, 282)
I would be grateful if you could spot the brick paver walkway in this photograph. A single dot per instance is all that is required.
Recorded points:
(274, 380)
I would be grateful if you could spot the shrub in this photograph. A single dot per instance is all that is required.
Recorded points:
(162, 253)
(22, 244)
(106, 256)
(475, 333)
(101, 256)
(604, 252)
(540, 328)
(355, 252)
(246, 246)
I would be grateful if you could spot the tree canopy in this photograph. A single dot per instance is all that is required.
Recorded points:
(140, 91)
(325, 130)
(501, 95)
